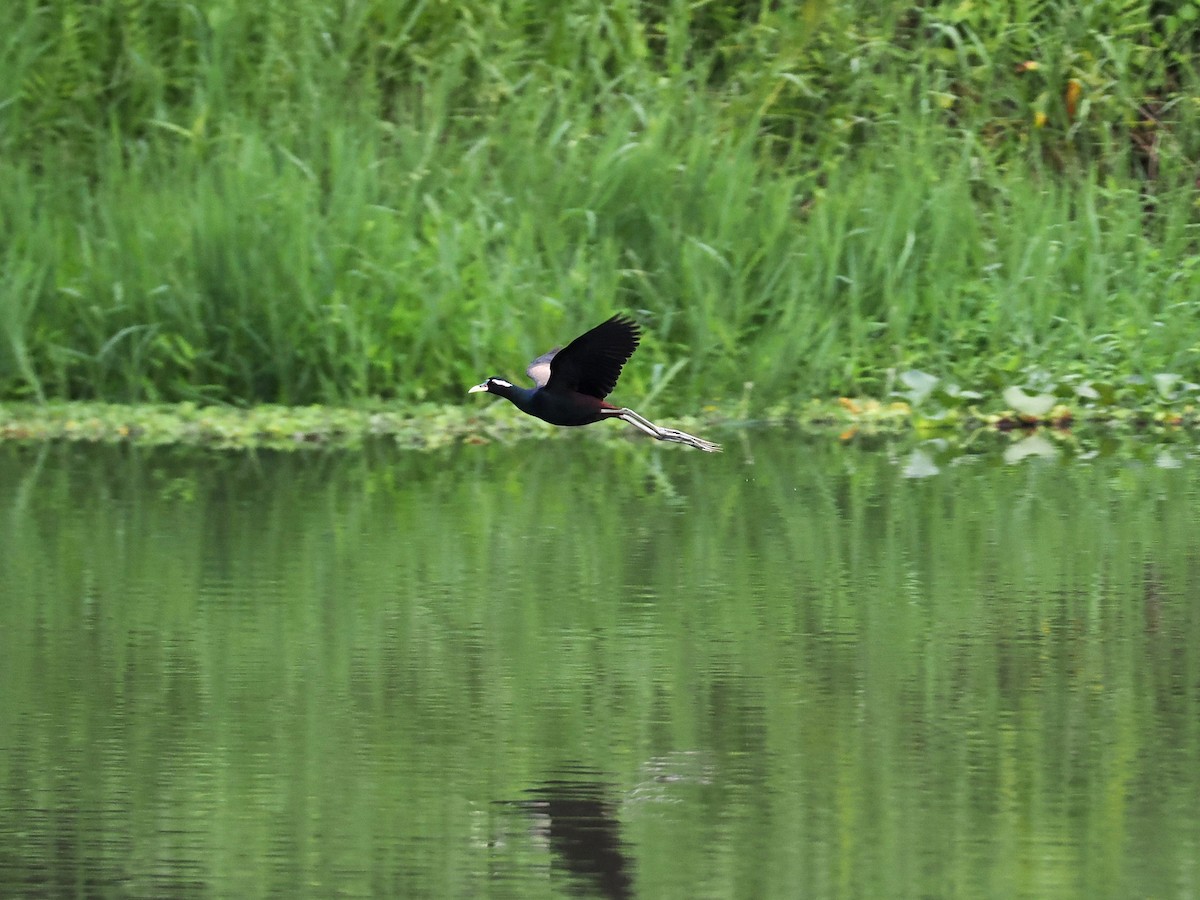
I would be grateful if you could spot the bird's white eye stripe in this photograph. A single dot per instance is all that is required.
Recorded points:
(501, 382)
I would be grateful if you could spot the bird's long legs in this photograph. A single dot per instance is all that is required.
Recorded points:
(663, 434)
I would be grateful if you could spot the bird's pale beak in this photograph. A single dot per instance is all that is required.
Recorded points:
(477, 388)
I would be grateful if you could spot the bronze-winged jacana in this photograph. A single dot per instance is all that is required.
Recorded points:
(570, 384)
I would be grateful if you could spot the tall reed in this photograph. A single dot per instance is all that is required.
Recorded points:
(309, 203)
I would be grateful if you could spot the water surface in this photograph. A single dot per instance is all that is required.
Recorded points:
(580, 668)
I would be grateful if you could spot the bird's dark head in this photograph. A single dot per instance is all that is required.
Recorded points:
(494, 385)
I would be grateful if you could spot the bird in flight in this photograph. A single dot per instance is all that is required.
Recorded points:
(570, 384)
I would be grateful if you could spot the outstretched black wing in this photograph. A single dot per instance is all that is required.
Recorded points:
(591, 364)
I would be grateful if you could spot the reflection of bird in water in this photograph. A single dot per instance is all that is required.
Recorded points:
(578, 819)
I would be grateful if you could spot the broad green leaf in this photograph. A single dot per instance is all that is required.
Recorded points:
(1166, 382)
(1035, 405)
(920, 384)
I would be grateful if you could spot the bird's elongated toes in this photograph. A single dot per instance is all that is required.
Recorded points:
(682, 437)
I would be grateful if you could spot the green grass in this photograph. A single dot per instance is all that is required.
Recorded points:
(304, 203)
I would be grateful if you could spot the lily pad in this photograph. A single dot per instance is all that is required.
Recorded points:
(920, 385)
(1167, 382)
(1033, 405)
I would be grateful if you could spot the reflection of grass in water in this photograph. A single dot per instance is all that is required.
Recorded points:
(288, 206)
(362, 652)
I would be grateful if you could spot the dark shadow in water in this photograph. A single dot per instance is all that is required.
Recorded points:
(65, 853)
(579, 822)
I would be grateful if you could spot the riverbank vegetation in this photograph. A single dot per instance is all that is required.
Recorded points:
(942, 203)
(431, 425)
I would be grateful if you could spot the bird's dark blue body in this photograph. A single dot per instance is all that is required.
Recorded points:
(555, 407)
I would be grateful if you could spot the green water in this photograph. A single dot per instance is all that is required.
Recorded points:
(584, 668)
